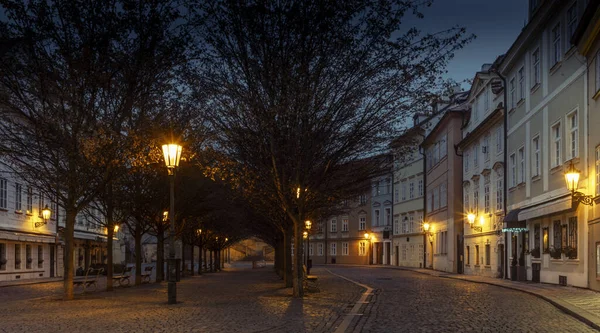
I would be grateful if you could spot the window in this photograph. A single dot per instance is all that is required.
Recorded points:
(29, 200)
(320, 249)
(429, 201)
(292, 251)
(487, 254)
(468, 256)
(513, 170)
(362, 199)
(466, 198)
(18, 197)
(555, 151)
(333, 226)
(333, 249)
(535, 60)
(476, 157)
(466, 161)
(571, 19)
(436, 153)
(403, 251)
(362, 223)
(499, 190)
(556, 49)
(436, 198)
(536, 238)
(396, 194)
(403, 191)
(2, 257)
(411, 223)
(597, 71)
(573, 147)
(443, 195)
(498, 140)
(443, 147)
(486, 193)
(475, 196)
(345, 225)
(420, 187)
(411, 190)
(420, 217)
(476, 255)
(41, 204)
(521, 83)
(345, 248)
(28, 258)
(404, 224)
(396, 227)
(486, 147)
(475, 110)
(412, 251)
(557, 230)
(513, 94)
(388, 216)
(310, 249)
(521, 165)
(486, 99)
(17, 256)
(535, 156)
(388, 186)
(3, 193)
(572, 240)
(545, 240)
(362, 248)
(429, 159)
(376, 216)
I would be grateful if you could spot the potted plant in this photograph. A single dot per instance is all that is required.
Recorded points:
(555, 252)
(513, 268)
(570, 252)
(535, 252)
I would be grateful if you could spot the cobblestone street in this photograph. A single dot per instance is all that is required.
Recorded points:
(247, 300)
(413, 302)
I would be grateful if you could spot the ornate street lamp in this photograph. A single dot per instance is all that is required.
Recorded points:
(471, 219)
(116, 228)
(46, 213)
(425, 233)
(172, 155)
(308, 225)
(368, 237)
(572, 181)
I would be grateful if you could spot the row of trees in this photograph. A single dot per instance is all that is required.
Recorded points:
(285, 106)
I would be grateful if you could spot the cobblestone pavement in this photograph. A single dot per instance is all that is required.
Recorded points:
(405, 301)
(230, 301)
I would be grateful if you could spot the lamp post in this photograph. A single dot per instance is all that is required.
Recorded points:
(172, 154)
(572, 182)
(368, 237)
(426, 232)
(308, 225)
(46, 212)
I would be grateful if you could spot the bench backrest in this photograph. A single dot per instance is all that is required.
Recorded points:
(148, 269)
(127, 271)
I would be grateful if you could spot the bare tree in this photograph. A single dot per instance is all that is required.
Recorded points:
(299, 89)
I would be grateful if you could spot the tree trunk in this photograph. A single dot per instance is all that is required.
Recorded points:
(287, 258)
(160, 255)
(200, 258)
(205, 260)
(191, 259)
(212, 267)
(182, 257)
(69, 235)
(298, 269)
(278, 260)
(109, 255)
(138, 255)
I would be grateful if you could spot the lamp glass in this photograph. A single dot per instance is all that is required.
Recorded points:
(46, 212)
(305, 234)
(471, 218)
(172, 154)
(366, 235)
(572, 178)
(426, 226)
(481, 220)
(165, 215)
(307, 224)
(116, 228)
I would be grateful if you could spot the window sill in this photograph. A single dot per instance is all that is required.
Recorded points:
(555, 67)
(570, 52)
(520, 102)
(536, 178)
(3, 210)
(596, 95)
(20, 212)
(556, 169)
(534, 88)
(512, 189)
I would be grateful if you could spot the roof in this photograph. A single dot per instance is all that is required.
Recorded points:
(456, 106)
(585, 20)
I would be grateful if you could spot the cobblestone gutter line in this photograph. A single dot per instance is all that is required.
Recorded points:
(357, 306)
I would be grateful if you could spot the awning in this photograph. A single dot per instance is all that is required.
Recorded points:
(512, 222)
(547, 208)
(28, 238)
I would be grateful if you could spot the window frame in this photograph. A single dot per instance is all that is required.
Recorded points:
(556, 145)
(535, 156)
(555, 39)
(573, 131)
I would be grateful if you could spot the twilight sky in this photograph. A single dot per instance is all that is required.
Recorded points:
(495, 23)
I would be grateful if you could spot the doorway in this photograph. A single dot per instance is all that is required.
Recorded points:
(388, 253)
(396, 255)
(52, 261)
(501, 261)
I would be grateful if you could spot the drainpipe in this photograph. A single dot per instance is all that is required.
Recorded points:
(505, 155)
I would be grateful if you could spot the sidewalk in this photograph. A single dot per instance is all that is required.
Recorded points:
(583, 304)
(28, 281)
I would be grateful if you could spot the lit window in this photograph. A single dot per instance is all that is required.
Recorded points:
(333, 226)
(362, 223)
(344, 248)
(486, 193)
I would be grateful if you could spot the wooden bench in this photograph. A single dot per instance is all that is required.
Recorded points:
(147, 274)
(310, 282)
(123, 279)
(88, 280)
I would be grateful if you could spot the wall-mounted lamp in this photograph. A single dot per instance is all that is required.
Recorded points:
(572, 181)
(471, 219)
(46, 212)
